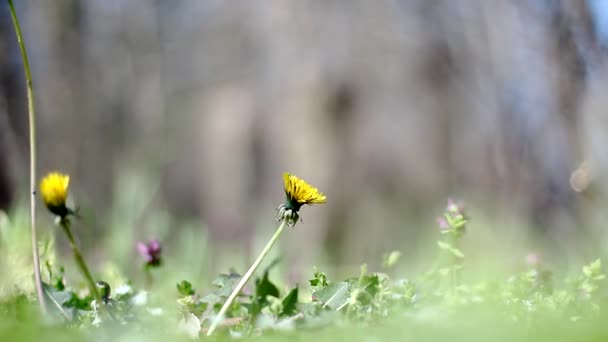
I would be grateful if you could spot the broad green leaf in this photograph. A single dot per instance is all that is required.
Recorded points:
(368, 286)
(210, 299)
(290, 303)
(225, 283)
(333, 296)
(58, 299)
(264, 287)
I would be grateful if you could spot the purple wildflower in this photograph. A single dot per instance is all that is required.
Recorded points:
(453, 219)
(456, 208)
(151, 252)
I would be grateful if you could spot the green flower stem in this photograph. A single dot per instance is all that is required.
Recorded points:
(245, 279)
(454, 264)
(65, 224)
(148, 275)
(32, 124)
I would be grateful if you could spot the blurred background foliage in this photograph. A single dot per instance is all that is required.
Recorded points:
(177, 118)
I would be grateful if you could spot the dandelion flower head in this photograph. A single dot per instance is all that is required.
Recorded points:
(298, 192)
(54, 191)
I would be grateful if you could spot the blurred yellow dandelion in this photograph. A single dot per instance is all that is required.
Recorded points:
(298, 192)
(54, 191)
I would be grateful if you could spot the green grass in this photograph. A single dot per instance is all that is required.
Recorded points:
(451, 295)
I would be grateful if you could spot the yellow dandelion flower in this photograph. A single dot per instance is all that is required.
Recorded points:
(54, 191)
(298, 192)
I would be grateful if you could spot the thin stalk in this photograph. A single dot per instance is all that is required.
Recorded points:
(148, 275)
(246, 278)
(65, 224)
(32, 124)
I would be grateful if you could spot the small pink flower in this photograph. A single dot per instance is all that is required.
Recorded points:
(151, 252)
(442, 223)
(532, 259)
(456, 208)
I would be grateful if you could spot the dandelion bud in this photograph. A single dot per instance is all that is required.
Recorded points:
(104, 290)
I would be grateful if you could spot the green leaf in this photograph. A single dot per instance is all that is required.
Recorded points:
(319, 280)
(211, 299)
(447, 247)
(290, 303)
(459, 218)
(391, 259)
(409, 291)
(457, 253)
(78, 303)
(368, 286)
(459, 224)
(58, 299)
(333, 296)
(275, 305)
(315, 282)
(587, 271)
(226, 283)
(595, 268)
(185, 288)
(264, 287)
(444, 245)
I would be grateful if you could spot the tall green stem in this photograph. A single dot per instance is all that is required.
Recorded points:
(65, 224)
(32, 124)
(245, 279)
